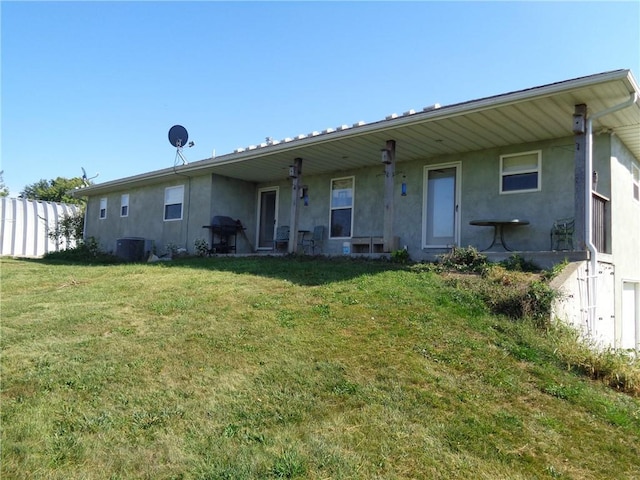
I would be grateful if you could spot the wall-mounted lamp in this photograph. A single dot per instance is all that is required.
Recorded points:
(303, 193)
(292, 171)
(578, 124)
(386, 156)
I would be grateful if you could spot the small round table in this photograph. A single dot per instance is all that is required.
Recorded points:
(498, 229)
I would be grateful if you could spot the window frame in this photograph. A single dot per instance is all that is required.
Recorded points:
(333, 208)
(523, 171)
(124, 204)
(166, 204)
(102, 210)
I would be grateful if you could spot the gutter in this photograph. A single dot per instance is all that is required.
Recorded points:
(593, 251)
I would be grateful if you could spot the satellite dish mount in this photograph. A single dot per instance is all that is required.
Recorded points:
(178, 137)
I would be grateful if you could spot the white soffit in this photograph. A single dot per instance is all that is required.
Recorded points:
(531, 115)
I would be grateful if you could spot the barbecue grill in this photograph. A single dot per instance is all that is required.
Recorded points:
(223, 231)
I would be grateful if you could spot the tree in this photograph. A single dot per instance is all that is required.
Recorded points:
(54, 190)
(4, 191)
(70, 228)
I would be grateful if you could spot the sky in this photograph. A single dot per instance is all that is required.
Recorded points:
(98, 85)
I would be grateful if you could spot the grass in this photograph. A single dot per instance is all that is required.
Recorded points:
(290, 368)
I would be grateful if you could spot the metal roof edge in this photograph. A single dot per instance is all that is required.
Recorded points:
(436, 113)
(376, 126)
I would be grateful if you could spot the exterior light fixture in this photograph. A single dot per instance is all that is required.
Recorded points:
(386, 156)
(578, 124)
(292, 171)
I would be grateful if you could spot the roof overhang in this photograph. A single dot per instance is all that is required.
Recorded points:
(525, 116)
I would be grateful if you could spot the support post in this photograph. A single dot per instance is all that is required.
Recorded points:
(580, 164)
(389, 174)
(296, 185)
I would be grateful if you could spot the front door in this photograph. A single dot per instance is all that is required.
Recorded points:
(441, 197)
(267, 218)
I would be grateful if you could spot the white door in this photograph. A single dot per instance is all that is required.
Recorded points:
(441, 205)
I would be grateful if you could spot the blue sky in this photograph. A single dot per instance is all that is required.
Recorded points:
(98, 84)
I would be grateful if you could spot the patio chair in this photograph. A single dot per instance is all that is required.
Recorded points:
(282, 237)
(562, 232)
(316, 240)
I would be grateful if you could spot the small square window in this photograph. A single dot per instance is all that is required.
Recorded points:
(124, 205)
(103, 208)
(520, 172)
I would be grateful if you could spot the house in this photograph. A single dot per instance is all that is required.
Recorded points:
(494, 173)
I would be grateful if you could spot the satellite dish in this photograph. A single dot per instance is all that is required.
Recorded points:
(85, 179)
(178, 136)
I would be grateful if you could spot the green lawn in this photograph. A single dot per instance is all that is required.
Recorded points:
(250, 368)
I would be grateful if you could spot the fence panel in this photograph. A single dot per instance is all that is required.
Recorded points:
(25, 226)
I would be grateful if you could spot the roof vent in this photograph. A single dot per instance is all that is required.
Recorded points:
(329, 130)
(435, 106)
(342, 127)
(238, 150)
(300, 137)
(358, 124)
(315, 133)
(391, 117)
(408, 112)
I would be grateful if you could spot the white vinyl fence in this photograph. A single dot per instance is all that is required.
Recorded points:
(25, 226)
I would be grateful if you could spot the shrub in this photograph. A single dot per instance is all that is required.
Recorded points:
(517, 263)
(400, 256)
(201, 246)
(464, 260)
(87, 251)
(70, 228)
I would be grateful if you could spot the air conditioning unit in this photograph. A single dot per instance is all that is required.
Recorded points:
(133, 249)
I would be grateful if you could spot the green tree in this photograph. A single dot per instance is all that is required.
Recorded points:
(56, 190)
(4, 191)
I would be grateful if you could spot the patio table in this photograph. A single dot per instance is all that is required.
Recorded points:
(498, 229)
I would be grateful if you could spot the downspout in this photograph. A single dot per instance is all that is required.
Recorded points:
(588, 221)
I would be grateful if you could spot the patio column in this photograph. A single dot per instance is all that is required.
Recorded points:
(389, 173)
(580, 164)
(296, 185)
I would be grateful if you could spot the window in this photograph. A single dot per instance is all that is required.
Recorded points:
(341, 207)
(520, 172)
(103, 208)
(173, 202)
(635, 178)
(124, 205)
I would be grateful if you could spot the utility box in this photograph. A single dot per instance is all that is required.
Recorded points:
(131, 249)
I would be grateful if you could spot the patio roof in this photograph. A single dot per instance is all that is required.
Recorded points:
(523, 116)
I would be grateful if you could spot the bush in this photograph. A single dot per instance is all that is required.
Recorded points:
(517, 263)
(202, 247)
(464, 260)
(87, 251)
(70, 228)
(400, 256)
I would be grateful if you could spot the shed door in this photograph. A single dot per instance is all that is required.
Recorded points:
(440, 223)
(268, 199)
